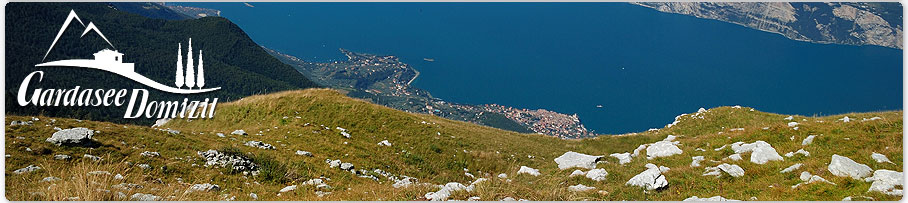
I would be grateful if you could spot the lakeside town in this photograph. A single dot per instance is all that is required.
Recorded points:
(385, 80)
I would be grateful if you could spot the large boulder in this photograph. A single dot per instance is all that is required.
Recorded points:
(574, 159)
(885, 181)
(650, 179)
(72, 137)
(844, 167)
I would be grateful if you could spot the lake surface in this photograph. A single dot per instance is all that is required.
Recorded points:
(644, 67)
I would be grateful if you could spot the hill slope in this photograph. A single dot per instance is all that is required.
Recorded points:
(433, 151)
(231, 58)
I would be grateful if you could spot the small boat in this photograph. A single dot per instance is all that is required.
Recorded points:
(428, 59)
(598, 106)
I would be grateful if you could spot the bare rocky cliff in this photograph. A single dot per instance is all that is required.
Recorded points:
(839, 23)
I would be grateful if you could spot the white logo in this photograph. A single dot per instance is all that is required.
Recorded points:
(112, 61)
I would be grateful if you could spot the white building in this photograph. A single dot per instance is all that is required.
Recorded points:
(114, 60)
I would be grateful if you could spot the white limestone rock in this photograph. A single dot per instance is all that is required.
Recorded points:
(696, 161)
(597, 174)
(445, 192)
(207, 187)
(792, 168)
(27, 169)
(735, 157)
(808, 140)
(638, 150)
(623, 158)
(384, 143)
(303, 153)
(528, 170)
(732, 169)
(72, 137)
(886, 182)
(573, 159)
(711, 199)
(880, 158)
(844, 167)
(580, 188)
(662, 149)
(288, 189)
(239, 132)
(144, 197)
(650, 179)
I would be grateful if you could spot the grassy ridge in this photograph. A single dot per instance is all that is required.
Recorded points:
(437, 151)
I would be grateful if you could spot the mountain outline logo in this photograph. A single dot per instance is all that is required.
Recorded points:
(112, 61)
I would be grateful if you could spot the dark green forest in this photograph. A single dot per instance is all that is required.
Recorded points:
(233, 61)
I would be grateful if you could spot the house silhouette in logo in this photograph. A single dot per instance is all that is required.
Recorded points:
(114, 60)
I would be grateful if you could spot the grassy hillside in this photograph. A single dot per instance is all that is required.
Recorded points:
(433, 150)
(231, 58)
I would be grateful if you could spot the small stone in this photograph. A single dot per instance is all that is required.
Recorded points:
(239, 132)
(623, 158)
(528, 170)
(62, 157)
(808, 140)
(150, 154)
(27, 169)
(577, 173)
(144, 197)
(288, 188)
(204, 187)
(50, 179)
(384, 143)
(696, 161)
(580, 188)
(880, 158)
(792, 168)
(303, 153)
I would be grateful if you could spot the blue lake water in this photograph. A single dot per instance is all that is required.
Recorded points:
(644, 67)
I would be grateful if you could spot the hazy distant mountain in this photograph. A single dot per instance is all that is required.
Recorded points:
(875, 23)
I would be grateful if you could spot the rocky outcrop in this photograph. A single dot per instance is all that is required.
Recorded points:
(223, 160)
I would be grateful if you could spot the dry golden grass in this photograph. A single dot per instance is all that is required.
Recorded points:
(436, 151)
